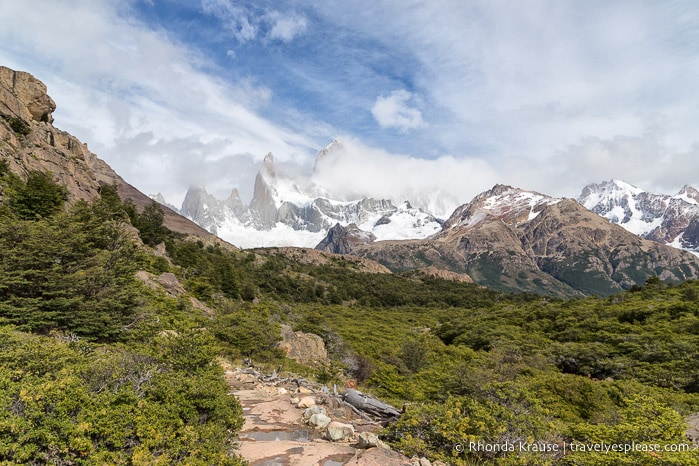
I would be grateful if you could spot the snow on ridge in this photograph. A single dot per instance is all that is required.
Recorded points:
(627, 187)
(660, 217)
(515, 198)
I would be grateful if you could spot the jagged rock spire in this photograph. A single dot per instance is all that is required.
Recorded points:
(323, 153)
(268, 166)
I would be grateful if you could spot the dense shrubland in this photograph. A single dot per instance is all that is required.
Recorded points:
(96, 368)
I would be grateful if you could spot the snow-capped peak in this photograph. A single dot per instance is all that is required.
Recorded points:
(511, 205)
(688, 194)
(334, 146)
(612, 189)
(286, 210)
(663, 218)
(268, 166)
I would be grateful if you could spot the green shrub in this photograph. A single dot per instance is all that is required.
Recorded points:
(19, 126)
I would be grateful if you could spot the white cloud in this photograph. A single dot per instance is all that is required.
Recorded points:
(527, 80)
(646, 161)
(246, 25)
(542, 95)
(395, 111)
(357, 171)
(285, 27)
(236, 19)
(140, 101)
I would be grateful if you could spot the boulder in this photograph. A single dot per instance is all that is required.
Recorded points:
(368, 440)
(171, 284)
(306, 402)
(339, 432)
(315, 409)
(319, 421)
(692, 431)
(304, 348)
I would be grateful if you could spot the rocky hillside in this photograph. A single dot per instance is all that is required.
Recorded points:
(29, 141)
(513, 240)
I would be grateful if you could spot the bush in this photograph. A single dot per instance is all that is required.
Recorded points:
(73, 403)
(19, 126)
(249, 331)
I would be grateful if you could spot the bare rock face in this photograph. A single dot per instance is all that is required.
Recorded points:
(29, 141)
(341, 240)
(305, 348)
(24, 96)
(263, 209)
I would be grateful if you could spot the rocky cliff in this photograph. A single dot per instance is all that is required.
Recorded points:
(342, 240)
(29, 141)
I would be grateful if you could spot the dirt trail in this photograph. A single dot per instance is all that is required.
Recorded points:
(274, 433)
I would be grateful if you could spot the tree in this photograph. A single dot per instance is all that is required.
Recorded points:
(150, 224)
(38, 197)
(73, 271)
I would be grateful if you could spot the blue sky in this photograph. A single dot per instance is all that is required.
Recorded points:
(542, 94)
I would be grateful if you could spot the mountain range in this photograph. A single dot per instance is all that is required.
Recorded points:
(613, 237)
(287, 212)
(666, 219)
(514, 240)
(506, 238)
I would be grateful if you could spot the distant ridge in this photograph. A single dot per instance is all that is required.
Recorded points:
(672, 220)
(515, 240)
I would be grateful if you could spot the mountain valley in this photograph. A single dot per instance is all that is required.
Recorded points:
(126, 329)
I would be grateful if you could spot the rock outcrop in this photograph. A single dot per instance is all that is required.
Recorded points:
(263, 208)
(23, 96)
(29, 141)
(341, 240)
(304, 348)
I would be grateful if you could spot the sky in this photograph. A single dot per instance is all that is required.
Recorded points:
(546, 95)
